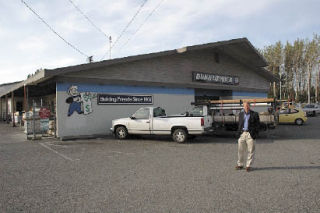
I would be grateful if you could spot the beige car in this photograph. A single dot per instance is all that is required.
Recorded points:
(293, 116)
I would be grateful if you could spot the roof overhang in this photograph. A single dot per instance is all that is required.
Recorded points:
(240, 49)
(8, 87)
(36, 78)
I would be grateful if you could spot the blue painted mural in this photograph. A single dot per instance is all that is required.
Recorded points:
(80, 102)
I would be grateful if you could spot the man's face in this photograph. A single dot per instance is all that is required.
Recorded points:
(246, 107)
(74, 91)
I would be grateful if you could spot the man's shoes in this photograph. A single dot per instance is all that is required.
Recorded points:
(239, 167)
(248, 169)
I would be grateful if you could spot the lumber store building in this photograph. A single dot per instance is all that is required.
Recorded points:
(85, 98)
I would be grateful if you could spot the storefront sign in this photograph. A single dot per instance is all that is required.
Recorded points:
(44, 113)
(44, 125)
(214, 78)
(124, 99)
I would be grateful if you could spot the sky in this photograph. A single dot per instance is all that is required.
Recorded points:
(27, 44)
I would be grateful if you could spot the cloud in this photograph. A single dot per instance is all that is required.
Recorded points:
(181, 23)
(72, 24)
(15, 71)
(33, 44)
(28, 44)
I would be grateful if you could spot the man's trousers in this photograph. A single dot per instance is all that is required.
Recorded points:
(246, 142)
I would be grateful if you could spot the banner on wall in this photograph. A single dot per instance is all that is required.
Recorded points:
(86, 101)
(124, 99)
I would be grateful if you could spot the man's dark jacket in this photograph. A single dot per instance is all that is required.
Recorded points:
(254, 123)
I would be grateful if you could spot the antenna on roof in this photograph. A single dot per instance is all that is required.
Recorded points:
(90, 59)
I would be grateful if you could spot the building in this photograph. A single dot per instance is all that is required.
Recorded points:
(85, 98)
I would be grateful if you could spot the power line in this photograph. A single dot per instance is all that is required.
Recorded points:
(132, 19)
(55, 32)
(88, 19)
(126, 27)
(141, 25)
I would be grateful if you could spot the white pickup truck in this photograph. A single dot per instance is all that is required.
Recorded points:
(153, 121)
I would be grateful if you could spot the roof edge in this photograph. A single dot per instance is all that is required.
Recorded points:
(80, 67)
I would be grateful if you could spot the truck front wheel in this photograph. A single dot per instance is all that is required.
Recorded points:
(121, 132)
(179, 135)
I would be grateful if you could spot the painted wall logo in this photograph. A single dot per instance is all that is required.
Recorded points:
(81, 102)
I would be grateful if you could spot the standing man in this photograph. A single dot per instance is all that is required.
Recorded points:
(248, 128)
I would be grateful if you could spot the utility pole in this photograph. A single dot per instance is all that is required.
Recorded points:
(110, 43)
(110, 46)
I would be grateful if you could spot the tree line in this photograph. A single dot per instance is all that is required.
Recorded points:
(297, 66)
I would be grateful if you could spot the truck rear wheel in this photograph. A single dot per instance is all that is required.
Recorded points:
(179, 135)
(121, 132)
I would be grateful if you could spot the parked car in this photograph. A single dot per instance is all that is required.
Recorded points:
(311, 109)
(294, 116)
(153, 121)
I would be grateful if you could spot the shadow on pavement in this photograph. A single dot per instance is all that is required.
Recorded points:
(288, 168)
(309, 130)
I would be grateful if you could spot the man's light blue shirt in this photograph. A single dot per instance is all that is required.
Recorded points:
(246, 121)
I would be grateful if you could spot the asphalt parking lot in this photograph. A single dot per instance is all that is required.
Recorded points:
(158, 175)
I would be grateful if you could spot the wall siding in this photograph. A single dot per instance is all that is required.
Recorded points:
(243, 94)
(99, 121)
(178, 68)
